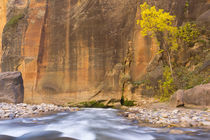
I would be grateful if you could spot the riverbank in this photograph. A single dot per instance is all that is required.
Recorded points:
(22, 110)
(168, 117)
(151, 116)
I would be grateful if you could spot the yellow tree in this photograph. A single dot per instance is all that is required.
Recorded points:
(158, 23)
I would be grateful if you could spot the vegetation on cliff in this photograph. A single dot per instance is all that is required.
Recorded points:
(178, 71)
(14, 20)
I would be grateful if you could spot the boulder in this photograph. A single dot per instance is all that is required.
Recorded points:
(11, 87)
(204, 19)
(177, 98)
(199, 95)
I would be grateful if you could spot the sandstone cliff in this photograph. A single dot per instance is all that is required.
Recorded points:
(77, 50)
(3, 19)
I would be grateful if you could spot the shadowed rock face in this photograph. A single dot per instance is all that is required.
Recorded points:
(73, 50)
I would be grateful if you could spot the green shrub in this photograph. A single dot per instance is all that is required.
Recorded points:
(14, 20)
(186, 79)
(122, 100)
(129, 103)
(126, 102)
(137, 83)
(188, 34)
(166, 86)
(93, 104)
(187, 4)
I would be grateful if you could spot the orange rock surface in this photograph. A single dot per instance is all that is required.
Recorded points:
(70, 50)
(3, 15)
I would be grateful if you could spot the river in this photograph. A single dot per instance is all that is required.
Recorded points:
(88, 124)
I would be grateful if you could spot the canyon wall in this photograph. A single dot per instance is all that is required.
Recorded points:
(78, 50)
(3, 14)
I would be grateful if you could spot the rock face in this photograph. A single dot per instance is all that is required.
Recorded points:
(11, 87)
(76, 50)
(3, 10)
(199, 95)
(68, 50)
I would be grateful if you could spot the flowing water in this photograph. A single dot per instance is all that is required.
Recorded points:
(88, 124)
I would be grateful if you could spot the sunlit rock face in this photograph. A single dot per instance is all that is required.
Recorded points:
(75, 50)
(3, 14)
(68, 46)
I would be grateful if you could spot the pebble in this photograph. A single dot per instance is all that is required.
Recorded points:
(164, 115)
(206, 123)
(11, 111)
(132, 116)
(175, 111)
(34, 108)
(169, 117)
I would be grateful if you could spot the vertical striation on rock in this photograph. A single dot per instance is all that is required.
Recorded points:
(3, 14)
(13, 34)
(74, 50)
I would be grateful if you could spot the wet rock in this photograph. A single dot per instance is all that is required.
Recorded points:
(63, 138)
(131, 116)
(125, 114)
(39, 135)
(164, 130)
(176, 131)
(185, 124)
(11, 115)
(4, 137)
